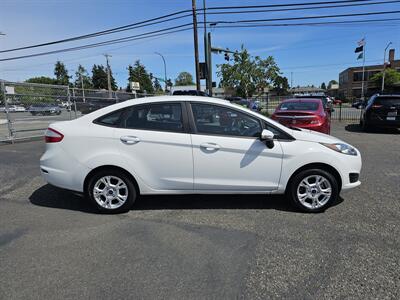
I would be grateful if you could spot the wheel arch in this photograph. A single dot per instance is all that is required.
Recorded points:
(110, 167)
(322, 166)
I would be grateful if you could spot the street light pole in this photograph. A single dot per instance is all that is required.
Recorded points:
(165, 69)
(384, 66)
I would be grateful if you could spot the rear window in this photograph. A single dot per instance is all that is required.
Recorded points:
(391, 101)
(296, 105)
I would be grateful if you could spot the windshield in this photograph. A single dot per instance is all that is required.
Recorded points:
(298, 105)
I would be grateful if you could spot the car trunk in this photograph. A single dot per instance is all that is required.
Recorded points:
(387, 108)
(295, 117)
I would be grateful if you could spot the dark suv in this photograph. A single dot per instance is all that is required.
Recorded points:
(381, 111)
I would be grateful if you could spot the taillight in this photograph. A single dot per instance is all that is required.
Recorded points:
(53, 136)
(376, 106)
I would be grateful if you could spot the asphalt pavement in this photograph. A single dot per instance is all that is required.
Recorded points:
(52, 244)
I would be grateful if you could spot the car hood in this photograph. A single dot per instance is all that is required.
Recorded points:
(313, 136)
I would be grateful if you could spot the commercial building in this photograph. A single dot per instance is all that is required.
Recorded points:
(350, 80)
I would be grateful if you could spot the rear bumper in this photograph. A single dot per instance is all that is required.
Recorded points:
(60, 169)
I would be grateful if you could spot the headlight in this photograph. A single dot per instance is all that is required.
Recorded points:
(342, 148)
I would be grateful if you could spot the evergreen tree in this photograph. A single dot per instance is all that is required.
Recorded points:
(82, 75)
(323, 86)
(138, 73)
(99, 77)
(61, 73)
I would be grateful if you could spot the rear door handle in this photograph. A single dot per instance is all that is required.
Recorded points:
(129, 140)
(210, 146)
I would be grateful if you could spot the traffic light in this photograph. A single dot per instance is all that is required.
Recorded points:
(226, 56)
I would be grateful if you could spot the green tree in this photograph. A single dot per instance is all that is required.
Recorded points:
(82, 75)
(157, 86)
(392, 79)
(61, 73)
(323, 86)
(332, 82)
(42, 80)
(138, 73)
(184, 78)
(281, 85)
(248, 74)
(99, 77)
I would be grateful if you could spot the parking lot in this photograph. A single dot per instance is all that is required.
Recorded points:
(52, 244)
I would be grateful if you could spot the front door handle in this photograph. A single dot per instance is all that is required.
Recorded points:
(210, 146)
(129, 140)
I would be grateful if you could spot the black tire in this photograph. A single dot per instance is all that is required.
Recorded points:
(365, 126)
(293, 185)
(131, 191)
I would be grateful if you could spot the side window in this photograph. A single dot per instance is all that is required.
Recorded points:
(159, 116)
(214, 119)
(111, 119)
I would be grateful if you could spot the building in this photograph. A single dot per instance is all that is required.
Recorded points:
(350, 80)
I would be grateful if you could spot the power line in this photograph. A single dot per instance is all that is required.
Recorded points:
(307, 24)
(158, 20)
(110, 42)
(284, 5)
(296, 8)
(136, 25)
(306, 18)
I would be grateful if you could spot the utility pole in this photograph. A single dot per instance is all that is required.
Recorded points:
(83, 88)
(196, 45)
(291, 79)
(206, 48)
(363, 73)
(165, 69)
(209, 65)
(108, 75)
(384, 66)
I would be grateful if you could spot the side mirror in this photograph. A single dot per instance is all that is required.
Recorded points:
(268, 137)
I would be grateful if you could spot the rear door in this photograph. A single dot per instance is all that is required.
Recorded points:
(155, 140)
(227, 152)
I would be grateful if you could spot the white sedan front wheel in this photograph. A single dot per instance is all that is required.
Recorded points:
(313, 190)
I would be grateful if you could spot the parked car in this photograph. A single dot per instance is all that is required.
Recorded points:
(13, 108)
(190, 93)
(337, 101)
(194, 145)
(381, 111)
(357, 104)
(92, 105)
(44, 109)
(303, 113)
(327, 103)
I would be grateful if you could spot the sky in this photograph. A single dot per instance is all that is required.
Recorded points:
(307, 55)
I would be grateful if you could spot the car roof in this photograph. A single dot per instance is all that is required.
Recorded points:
(388, 96)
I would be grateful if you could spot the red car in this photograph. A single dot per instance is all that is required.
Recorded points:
(303, 113)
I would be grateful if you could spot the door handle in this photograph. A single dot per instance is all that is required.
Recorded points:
(210, 146)
(129, 140)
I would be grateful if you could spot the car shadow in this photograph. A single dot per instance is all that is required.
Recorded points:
(53, 197)
(357, 128)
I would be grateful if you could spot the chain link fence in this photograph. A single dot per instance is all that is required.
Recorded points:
(26, 109)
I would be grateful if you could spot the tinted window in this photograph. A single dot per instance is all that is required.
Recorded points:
(296, 105)
(111, 119)
(160, 117)
(390, 101)
(213, 119)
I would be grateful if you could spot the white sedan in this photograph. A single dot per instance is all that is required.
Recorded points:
(194, 145)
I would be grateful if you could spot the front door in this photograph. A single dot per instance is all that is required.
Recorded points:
(228, 154)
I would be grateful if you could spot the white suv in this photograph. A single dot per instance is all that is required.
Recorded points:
(194, 145)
